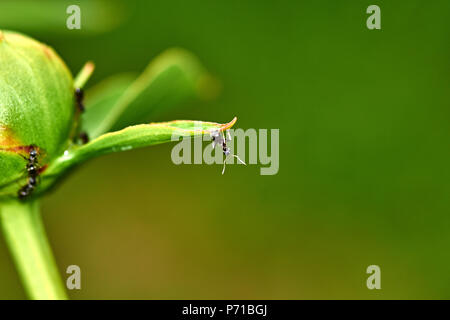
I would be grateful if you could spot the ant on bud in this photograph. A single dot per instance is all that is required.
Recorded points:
(79, 96)
(220, 139)
(33, 173)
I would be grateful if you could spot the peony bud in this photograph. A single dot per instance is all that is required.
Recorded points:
(36, 104)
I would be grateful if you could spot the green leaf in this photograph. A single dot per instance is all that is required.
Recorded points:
(102, 98)
(129, 138)
(135, 137)
(173, 76)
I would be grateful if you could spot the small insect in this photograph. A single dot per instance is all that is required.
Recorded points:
(79, 96)
(84, 137)
(33, 170)
(220, 139)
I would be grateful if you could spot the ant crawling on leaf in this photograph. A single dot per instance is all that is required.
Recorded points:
(220, 139)
(33, 170)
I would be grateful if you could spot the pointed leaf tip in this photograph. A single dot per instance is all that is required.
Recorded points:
(228, 125)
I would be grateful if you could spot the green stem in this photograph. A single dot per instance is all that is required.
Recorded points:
(26, 239)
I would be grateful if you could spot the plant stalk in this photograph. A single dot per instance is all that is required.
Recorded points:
(25, 236)
(84, 75)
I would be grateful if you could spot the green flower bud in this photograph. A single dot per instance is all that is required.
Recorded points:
(37, 105)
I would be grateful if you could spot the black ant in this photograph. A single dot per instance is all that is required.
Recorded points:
(33, 170)
(79, 96)
(220, 139)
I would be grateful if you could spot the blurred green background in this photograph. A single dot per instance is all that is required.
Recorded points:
(364, 154)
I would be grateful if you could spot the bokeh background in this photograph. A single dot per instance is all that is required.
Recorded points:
(364, 153)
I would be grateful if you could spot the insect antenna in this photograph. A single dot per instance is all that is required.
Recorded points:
(227, 151)
(225, 161)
